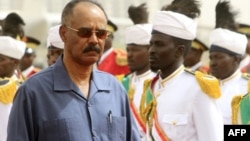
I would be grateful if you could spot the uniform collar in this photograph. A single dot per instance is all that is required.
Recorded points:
(176, 72)
(141, 76)
(236, 73)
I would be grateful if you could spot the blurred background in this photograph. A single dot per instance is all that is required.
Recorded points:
(40, 15)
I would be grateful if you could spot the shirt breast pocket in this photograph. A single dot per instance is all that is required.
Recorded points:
(117, 128)
(175, 123)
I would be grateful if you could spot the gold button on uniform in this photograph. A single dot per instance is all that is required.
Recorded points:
(174, 122)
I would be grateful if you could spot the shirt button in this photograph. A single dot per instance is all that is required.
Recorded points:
(89, 104)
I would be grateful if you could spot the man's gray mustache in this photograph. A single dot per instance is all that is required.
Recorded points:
(92, 48)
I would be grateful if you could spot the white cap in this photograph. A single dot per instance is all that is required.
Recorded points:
(11, 47)
(139, 34)
(175, 24)
(229, 40)
(54, 37)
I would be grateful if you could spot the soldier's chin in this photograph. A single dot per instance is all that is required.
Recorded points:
(218, 76)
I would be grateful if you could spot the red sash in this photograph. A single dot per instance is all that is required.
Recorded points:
(138, 119)
(157, 133)
(154, 130)
(140, 123)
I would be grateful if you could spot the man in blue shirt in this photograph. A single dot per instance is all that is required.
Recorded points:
(69, 101)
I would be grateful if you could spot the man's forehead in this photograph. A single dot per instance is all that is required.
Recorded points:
(3, 56)
(88, 13)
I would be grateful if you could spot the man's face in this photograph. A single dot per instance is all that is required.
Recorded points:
(192, 57)
(7, 66)
(52, 55)
(27, 61)
(108, 42)
(222, 65)
(138, 57)
(162, 52)
(84, 50)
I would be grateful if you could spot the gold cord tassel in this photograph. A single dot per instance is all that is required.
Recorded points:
(143, 106)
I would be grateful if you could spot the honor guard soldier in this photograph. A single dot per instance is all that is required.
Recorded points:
(11, 51)
(225, 53)
(226, 49)
(27, 62)
(179, 104)
(137, 41)
(55, 45)
(193, 58)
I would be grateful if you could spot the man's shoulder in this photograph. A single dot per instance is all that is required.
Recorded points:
(40, 75)
(105, 80)
(102, 75)
(208, 83)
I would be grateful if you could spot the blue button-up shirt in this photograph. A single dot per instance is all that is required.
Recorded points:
(50, 107)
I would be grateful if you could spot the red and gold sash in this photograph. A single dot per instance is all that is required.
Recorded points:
(157, 133)
(137, 117)
(148, 111)
(136, 114)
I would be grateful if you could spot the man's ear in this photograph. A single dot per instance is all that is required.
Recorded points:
(62, 32)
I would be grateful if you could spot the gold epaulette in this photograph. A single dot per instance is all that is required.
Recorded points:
(8, 89)
(208, 83)
(121, 57)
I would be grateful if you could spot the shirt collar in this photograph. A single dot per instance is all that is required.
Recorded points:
(63, 82)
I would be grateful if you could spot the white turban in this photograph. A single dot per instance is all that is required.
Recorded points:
(175, 24)
(54, 37)
(229, 40)
(11, 47)
(138, 34)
